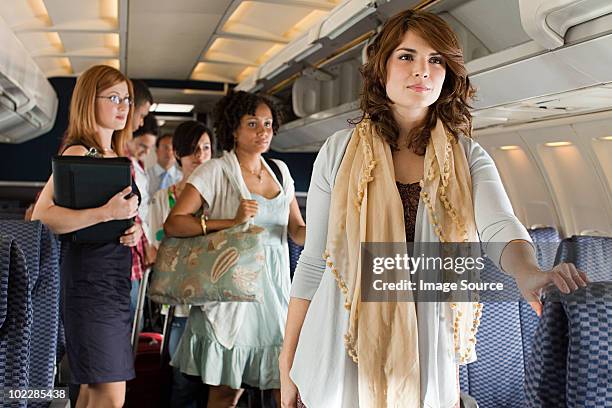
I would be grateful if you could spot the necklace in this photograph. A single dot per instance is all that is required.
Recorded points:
(258, 175)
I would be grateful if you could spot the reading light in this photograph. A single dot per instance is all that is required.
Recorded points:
(557, 144)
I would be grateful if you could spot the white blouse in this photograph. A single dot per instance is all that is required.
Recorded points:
(323, 372)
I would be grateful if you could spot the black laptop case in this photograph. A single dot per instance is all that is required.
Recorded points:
(81, 182)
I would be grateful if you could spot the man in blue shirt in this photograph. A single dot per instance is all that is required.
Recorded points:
(165, 172)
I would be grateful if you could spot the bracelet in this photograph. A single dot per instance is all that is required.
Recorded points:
(203, 223)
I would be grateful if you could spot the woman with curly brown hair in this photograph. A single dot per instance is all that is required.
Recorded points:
(408, 172)
(233, 343)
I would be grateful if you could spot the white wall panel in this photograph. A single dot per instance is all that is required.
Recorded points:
(581, 197)
(523, 180)
(567, 186)
(592, 133)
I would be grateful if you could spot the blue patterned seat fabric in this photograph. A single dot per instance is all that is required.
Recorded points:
(15, 319)
(589, 352)
(571, 362)
(496, 378)
(294, 254)
(546, 368)
(41, 250)
(546, 241)
(590, 254)
(464, 381)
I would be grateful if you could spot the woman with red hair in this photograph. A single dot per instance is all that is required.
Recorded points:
(96, 277)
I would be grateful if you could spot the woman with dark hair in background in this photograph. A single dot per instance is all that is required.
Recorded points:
(236, 343)
(192, 143)
(409, 172)
(96, 277)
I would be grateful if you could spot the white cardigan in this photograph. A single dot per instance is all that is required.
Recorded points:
(323, 372)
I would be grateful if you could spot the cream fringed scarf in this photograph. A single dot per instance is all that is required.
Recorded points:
(382, 337)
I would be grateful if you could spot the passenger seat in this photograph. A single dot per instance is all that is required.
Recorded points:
(15, 319)
(571, 363)
(41, 251)
(546, 241)
(496, 378)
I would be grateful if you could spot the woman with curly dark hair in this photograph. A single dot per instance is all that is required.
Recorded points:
(409, 172)
(236, 343)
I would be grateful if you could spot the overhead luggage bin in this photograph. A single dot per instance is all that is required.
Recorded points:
(345, 23)
(296, 50)
(344, 17)
(28, 102)
(547, 21)
(505, 48)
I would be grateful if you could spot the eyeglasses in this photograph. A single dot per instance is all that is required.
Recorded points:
(117, 100)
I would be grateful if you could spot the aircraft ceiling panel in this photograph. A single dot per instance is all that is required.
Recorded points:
(56, 31)
(271, 24)
(36, 42)
(56, 66)
(233, 50)
(77, 12)
(91, 44)
(217, 72)
(16, 12)
(182, 6)
(166, 45)
(80, 64)
(167, 39)
(251, 14)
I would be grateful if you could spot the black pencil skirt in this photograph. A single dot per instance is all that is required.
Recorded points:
(96, 312)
